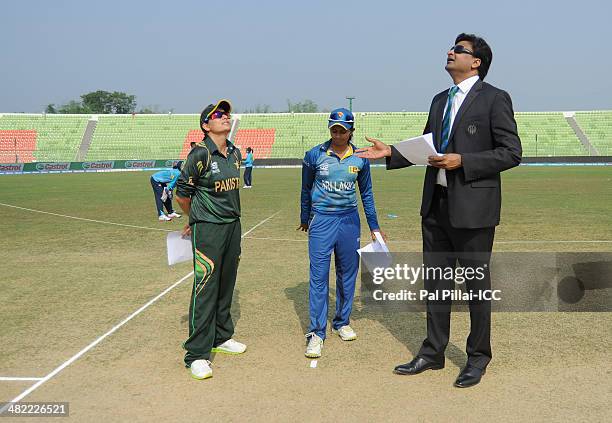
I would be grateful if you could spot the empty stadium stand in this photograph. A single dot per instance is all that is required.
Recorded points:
(260, 140)
(597, 126)
(140, 136)
(36, 137)
(57, 136)
(547, 134)
(17, 145)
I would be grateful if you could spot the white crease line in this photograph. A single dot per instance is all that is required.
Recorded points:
(93, 344)
(5, 378)
(496, 242)
(110, 332)
(84, 219)
(259, 224)
(277, 239)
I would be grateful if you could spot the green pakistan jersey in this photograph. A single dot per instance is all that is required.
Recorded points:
(212, 181)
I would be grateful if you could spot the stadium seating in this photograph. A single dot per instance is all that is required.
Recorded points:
(275, 135)
(296, 133)
(17, 145)
(57, 136)
(547, 134)
(125, 137)
(260, 140)
(597, 126)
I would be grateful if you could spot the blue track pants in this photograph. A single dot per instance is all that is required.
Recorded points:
(337, 233)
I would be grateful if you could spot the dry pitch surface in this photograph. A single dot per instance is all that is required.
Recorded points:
(66, 282)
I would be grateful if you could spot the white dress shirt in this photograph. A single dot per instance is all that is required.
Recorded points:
(464, 88)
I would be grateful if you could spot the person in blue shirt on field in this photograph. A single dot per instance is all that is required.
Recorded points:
(331, 173)
(248, 168)
(165, 181)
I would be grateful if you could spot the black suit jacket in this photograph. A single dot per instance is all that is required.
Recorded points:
(484, 133)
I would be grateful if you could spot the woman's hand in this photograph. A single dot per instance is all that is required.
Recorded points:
(384, 236)
(186, 231)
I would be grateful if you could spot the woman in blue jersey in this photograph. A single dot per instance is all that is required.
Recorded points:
(248, 168)
(163, 182)
(331, 173)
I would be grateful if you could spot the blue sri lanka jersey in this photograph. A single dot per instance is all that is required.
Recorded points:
(169, 177)
(328, 184)
(248, 162)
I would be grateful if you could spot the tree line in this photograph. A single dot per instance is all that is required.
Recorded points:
(117, 102)
(306, 106)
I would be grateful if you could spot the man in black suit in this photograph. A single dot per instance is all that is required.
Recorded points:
(473, 127)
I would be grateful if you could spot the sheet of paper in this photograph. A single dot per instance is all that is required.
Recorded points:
(179, 248)
(381, 257)
(417, 149)
(164, 195)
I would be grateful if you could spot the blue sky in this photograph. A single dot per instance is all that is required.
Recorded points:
(390, 55)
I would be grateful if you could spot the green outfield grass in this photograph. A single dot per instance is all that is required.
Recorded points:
(64, 282)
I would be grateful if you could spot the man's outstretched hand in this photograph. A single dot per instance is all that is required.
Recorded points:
(378, 150)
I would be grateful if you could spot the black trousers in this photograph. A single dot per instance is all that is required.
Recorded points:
(158, 190)
(468, 247)
(248, 176)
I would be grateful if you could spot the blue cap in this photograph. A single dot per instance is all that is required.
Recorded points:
(342, 117)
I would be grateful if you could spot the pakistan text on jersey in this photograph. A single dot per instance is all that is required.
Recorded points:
(227, 184)
(334, 186)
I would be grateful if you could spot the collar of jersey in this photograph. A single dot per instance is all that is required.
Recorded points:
(326, 146)
(212, 147)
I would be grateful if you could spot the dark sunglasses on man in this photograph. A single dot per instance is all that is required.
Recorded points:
(459, 49)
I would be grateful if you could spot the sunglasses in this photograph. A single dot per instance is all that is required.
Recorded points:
(459, 49)
(217, 115)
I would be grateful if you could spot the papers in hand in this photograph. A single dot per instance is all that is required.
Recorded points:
(164, 195)
(376, 254)
(179, 248)
(417, 149)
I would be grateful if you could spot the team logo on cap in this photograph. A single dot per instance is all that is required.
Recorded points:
(340, 114)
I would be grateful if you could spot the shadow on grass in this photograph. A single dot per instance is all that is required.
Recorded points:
(409, 328)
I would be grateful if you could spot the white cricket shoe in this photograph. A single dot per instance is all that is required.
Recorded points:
(315, 345)
(346, 333)
(164, 218)
(174, 214)
(200, 369)
(230, 347)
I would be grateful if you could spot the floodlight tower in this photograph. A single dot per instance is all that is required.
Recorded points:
(350, 99)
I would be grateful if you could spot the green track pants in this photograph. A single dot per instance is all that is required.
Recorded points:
(216, 254)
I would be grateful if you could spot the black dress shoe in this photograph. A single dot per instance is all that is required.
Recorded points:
(469, 376)
(416, 366)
